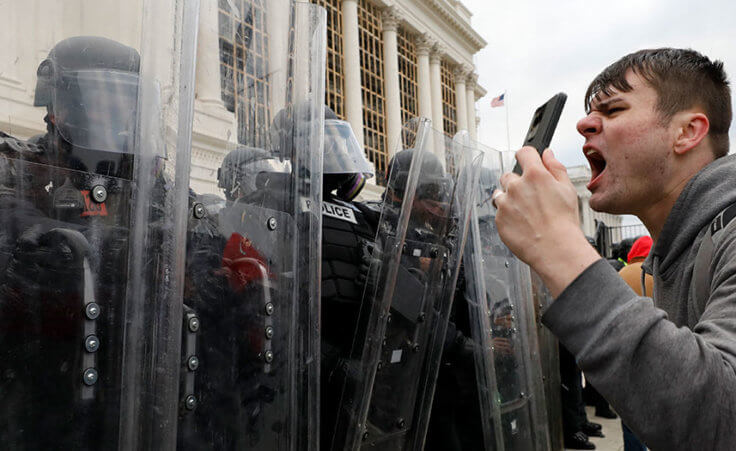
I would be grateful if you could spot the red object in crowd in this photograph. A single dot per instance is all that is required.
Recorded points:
(243, 262)
(640, 248)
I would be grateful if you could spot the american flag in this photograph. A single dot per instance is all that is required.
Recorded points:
(497, 101)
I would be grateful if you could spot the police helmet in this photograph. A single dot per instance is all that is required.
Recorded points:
(239, 171)
(89, 86)
(433, 181)
(345, 168)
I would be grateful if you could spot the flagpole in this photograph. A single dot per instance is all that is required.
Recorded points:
(506, 107)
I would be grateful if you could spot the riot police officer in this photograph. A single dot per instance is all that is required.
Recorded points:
(65, 249)
(348, 232)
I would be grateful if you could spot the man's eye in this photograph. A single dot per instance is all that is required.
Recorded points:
(615, 110)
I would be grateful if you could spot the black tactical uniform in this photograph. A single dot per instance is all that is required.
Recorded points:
(64, 244)
(348, 233)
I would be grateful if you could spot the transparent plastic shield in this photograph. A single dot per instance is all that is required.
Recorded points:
(93, 101)
(502, 318)
(249, 361)
(388, 381)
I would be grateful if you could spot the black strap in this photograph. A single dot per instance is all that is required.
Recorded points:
(701, 279)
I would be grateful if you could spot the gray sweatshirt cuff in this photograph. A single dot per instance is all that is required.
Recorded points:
(586, 306)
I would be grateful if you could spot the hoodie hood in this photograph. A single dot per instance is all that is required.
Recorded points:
(706, 194)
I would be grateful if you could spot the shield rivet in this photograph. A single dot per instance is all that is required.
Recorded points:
(269, 309)
(272, 223)
(90, 376)
(198, 211)
(190, 402)
(268, 356)
(99, 194)
(269, 332)
(92, 343)
(193, 363)
(92, 310)
(193, 324)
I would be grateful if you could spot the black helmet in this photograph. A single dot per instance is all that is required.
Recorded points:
(239, 171)
(432, 176)
(90, 85)
(345, 168)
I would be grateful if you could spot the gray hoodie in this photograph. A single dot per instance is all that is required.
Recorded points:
(668, 367)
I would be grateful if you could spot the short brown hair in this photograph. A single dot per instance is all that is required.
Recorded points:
(682, 79)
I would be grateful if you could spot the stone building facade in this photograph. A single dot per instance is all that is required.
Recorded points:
(387, 62)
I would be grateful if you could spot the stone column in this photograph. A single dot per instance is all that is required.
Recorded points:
(470, 103)
(423, 44)
(461, 73)
(435, 76)
(351, 54)
(277, 24)
(208, 90)
(390, 21)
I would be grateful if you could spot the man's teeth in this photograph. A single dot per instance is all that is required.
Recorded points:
(590, 152)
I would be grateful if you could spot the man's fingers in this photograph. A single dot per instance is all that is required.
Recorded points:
(494, 197)
(507, 178)
(528, 157)
(553, 165)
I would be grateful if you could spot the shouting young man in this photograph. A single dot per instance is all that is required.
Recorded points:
(656, 137)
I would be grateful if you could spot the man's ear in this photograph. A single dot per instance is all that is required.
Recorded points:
(692, 128)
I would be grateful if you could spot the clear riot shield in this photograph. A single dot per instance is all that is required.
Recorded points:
(388, 380)
(502, 318)
(550, 359)
(95, 99)
(249, 361)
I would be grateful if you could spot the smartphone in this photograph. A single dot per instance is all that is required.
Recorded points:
(543, 125)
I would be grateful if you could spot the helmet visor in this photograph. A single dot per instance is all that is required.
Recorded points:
(343, 154)
(97, 109)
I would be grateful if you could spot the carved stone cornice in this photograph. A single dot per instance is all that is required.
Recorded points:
(454, 19)
(390, 19)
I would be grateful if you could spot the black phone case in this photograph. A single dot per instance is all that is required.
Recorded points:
(543, 125)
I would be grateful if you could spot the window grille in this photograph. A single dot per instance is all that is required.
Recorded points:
(407, 77)
(449, 109)
(335, 79)
(244, 67)
(371, 71)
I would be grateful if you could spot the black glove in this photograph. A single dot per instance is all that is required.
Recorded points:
(370, 266)
(51, 255)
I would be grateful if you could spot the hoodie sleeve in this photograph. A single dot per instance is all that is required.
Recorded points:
(674, 387)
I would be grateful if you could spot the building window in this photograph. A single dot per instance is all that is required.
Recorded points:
(244, 67)
(335, 80)
(449, 110)
(407, 77)
(371, 75)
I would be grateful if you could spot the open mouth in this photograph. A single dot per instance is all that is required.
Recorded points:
(597, 164)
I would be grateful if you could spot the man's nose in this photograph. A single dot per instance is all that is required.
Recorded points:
(589, 125)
